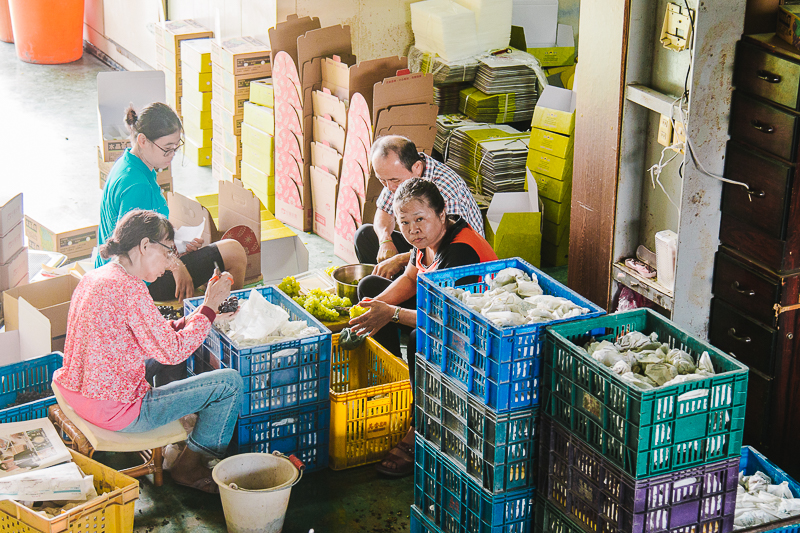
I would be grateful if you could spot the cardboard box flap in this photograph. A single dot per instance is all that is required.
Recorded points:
(416, 88)
(326, 103)
(324, 156)
(410, 114)
(324, 190)
(117, 90)
(423, 136)
(10, 210)
(512, 202)
(326, 130)
(321, 43)
(184, 211)
(555, 110)
(32, 339)
(51, 297)
(344, 81)
(283, 37)
(238, 207)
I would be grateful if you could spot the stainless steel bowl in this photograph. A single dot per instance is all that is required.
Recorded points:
(346, 279)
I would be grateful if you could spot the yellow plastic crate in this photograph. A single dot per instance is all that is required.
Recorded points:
(371, 404)
(112, 512)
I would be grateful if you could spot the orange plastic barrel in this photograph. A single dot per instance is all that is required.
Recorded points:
(47, 32)
(6, 35)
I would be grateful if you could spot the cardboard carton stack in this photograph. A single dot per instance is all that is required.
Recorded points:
(169, 34)
(550, 164)
(47, 232)
(195, 101)
(235, 63)
(258, 142)
(13, 253)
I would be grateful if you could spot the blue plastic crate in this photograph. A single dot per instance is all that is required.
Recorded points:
(33, 375)
(498, 450)
(454, 503)
(500, 366)
(280, 374)
(751, 462)
(303, 431)
(420, 523)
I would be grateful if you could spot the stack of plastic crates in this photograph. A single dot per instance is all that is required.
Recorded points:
(476, 406)
(286, 405)
(615, 457)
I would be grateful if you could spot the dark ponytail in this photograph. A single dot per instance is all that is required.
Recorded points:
(155, 121)
(419, 189)
(132, 228)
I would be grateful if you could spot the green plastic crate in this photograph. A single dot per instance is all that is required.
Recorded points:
(645, 433)
(548, 519)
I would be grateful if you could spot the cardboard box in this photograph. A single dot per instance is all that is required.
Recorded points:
(328, 131)
(555, 167)
(230, 161)
(240, 207)
(324, 190)
(555, 255)
(229, 141)
(551, 143)
(555, 110)
(324, 156)
(170, 33)
(74, 243)
(192, 80)
(117, 90)
(238, 85)
(163, 178)
(343, 80)
(261, 183)
(167, 59)
(243, 56)
(556, 212)
(51, 297)
(513, 226)
(199, 136)
(232, 103)
(260, 159)
(220, 173)
(554, 233)
(196, 53)
(174, 101)
(563, 77)
(328, 105)
(12, 242)
(173, 82)
(262, 92)
(195, 115)
(228, 121)
(14, 272)
(31, 338)
(201, 101)
(556, 190)
(558, 53)
(258, 139)
(198, 155)
(185, 211)
(537, 18)
(10, 211)
(259, 116)
(788, 22)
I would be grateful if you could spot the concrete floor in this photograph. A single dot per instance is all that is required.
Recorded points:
(48, 143)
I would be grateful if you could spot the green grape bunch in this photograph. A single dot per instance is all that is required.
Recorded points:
(321, 304)
(290, 286)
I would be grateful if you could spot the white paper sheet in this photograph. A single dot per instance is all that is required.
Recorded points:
(186, 234)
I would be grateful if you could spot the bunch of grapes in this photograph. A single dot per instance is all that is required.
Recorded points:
(330, 269)
(321, 304)
(290, 286)
(169, 313)
(229, 306)
(357, 310)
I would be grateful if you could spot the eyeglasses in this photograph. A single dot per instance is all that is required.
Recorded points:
(172, 251)
(168, 151)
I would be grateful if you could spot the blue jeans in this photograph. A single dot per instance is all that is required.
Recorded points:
(215, 397)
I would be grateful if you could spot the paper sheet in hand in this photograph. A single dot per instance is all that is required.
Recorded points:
(60, 482)
(186, 234)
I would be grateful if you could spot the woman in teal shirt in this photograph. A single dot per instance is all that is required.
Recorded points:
(155, 137)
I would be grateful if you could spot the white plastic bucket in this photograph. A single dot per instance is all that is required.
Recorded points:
(255, 489)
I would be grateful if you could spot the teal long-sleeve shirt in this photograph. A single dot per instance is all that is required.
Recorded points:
(131, 185)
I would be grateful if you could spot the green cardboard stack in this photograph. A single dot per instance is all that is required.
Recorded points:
(550, 163)
(505, 89)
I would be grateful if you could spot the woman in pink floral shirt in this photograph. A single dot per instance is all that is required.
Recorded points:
(114, 327)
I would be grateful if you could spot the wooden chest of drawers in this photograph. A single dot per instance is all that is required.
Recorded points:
(757, 271)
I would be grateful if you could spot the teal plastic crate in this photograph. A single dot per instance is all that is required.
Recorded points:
(645, 432)
(751, 462)
(33, 375)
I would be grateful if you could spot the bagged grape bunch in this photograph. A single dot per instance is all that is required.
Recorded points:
(647, 363)
(514, 299)
(262, 322)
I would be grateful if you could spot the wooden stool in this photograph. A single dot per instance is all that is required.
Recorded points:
(87, 438)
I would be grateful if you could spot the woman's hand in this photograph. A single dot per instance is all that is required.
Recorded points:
(218, 290)
(184, 285)
(195, 245)
(386, 250)
(378, 315)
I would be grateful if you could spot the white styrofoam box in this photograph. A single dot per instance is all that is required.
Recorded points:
(539, 18)
(493, 19)
(445, 28)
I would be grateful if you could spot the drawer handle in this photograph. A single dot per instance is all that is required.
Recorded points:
(746, 292)
(768, 76)
(732, 333)
(756, 193)
(763, 128)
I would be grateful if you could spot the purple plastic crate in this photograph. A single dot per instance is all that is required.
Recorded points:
(600, 497)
